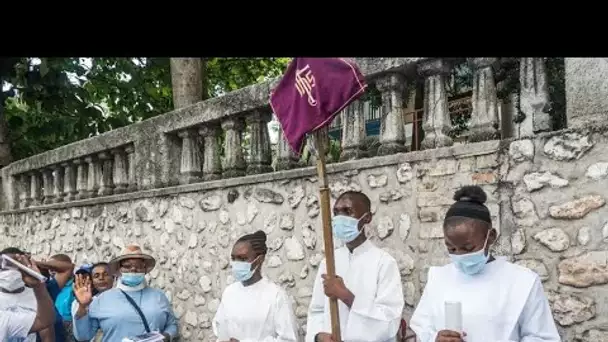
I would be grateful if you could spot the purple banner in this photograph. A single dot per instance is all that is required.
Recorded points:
(311, 93)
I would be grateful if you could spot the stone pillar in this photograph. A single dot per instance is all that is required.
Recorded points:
(261, 157)
(285, 157)
(190, 170)
(534, 99)
(586, 91)
(130, 150)
(58, 183)
(94, 174)
(436, 119)
(47, 185)
(392, 133)
(212, 163)
(69, 182)
(353, 131)
(233, 151)
(484, 117)
(35, 188)
(15, 190)
(81, 179)
(24, 193)
(120, 171)
(187, 81)
(106, 185)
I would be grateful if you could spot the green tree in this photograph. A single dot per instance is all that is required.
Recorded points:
(49, 102)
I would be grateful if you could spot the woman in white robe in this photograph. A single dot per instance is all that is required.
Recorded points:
(253, 309)
(500, 301)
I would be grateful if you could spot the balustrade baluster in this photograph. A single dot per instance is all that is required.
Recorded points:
(392, 132)
(81, 179)
(235, 165)
(260, 157)
(484, 117)
(35, 188)
(93, 176)
(190, 165)
(353, 131)
(120, 171)
(58, 183)
(436, 119)
(47, 185)
(285, 157)
(106, 185)
(212, 163)
(534, 101)
(130, 150)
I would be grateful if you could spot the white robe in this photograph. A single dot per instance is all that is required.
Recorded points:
(372, 275)
(503, 303)
(25, 300)
(255, 313)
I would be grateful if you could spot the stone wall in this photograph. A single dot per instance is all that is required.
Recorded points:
(546, 194)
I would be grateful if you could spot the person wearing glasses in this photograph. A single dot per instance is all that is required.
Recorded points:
(131, 308)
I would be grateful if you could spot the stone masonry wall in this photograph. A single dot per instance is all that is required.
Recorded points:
(547, 196)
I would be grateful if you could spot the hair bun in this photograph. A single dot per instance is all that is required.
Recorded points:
(260, 235)
(471, 193)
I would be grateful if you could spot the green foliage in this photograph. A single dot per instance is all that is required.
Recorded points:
(56, 101)
(228, 74)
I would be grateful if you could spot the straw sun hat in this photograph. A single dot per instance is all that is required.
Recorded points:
(132, 251)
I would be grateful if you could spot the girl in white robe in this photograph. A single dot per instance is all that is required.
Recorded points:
(253, 309)
(500, 301)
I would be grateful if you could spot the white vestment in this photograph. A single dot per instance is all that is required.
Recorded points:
(25, 301)
(372, 275)
(255, 313)
(505, 302)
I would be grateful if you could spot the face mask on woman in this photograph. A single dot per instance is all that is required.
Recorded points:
(472, 263)
(132, 279)
(346, 228)
(241, 270)
(11, 280)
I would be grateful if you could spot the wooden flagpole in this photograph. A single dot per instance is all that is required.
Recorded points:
(320, 145)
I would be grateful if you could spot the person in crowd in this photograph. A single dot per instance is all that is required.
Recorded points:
(101, 281)
(367, 284)
(101, 277)
(60, 267)
(14, 295)
(253, 308)
(494, 307)
(66, 297)
(17, 324)
(116, 311)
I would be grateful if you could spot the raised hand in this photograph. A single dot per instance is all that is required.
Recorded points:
(324, 337)
(28, 279)
(449, 336)
(83, 289)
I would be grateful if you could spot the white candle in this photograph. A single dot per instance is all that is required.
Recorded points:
(453, 316)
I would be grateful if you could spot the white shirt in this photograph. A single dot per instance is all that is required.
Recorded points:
(15, 324)
(23, 301)
(255, 313)
(372, 275)
(503, 303)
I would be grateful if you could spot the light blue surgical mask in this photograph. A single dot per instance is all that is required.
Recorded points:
(472, 263)
(346, 228)
(242, 271)
(132, 279)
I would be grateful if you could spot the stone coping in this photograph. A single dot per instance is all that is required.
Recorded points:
(145, 132)
(458, 151)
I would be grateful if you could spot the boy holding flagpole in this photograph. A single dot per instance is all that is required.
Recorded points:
(308, 97)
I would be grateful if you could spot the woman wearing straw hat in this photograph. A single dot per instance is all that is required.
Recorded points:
(130, 309)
